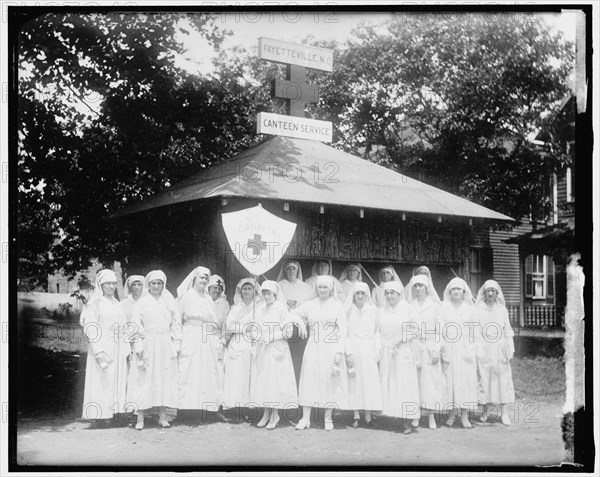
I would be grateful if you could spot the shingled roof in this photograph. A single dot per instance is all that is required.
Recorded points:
(300, 170)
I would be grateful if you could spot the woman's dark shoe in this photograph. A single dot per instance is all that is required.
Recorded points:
(355, 423)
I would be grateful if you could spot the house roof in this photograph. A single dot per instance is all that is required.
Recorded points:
(547, 239)
(301, 170)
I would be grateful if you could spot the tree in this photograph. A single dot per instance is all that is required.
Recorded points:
(455, 102)
(106, 118)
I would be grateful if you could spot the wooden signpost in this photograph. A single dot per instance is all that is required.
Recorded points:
(295, 90)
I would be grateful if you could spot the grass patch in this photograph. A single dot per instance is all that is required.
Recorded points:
(539, 379)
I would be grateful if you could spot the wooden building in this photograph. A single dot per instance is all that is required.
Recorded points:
(346, 209)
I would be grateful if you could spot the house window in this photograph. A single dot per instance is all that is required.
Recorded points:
(480, 266)
(570, 183)
(539, 277)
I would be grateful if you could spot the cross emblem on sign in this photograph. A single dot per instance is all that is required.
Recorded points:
(257, 244)
(296, 90)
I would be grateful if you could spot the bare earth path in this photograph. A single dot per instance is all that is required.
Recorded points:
(50, 433)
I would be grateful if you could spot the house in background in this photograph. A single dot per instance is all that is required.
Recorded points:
(60, 283)
(529, 261)
(545, 251)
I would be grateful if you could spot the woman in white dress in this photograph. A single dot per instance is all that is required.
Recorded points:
(323, 379)
(495, 349)
(428, 347)
(386, 274)
(461, 354)
(157, 341)
(324, 268)
(202, 348)
(104, 324)
(363, 348)
(397, 366)
(132, 292)
(272, 385)
(238, 357)
(352, 274)
(295, 292)
(216, 290)
(292, 285)
(424, 270)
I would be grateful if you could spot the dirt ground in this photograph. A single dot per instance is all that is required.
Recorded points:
(49, 432)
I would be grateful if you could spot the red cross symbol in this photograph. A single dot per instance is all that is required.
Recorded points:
(257, 244)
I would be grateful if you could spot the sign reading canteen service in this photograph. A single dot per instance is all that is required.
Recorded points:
(291, 126)
(295, 90)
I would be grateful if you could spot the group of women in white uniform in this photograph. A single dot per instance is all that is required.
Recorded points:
(394, 351)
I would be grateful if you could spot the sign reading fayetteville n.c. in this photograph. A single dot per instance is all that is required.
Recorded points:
(293, 54)
(292, 126)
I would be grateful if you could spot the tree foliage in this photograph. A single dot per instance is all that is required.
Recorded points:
(454, 101)
(106, 118)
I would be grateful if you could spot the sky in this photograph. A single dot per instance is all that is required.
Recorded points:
(289, 26)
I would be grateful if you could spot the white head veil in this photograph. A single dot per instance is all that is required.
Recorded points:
(237, 297)
(102, 277)
(216, 280)
(424, 270)
(284, 267)
(129, 282)
(324, 280)
(315, 271)
(188, 282)
(395, 277)
(358, 287)
(345, 273)
(274, 287)
(490, 284)
(159, 275)
(457, 282)
(423, 280)
(396, 286)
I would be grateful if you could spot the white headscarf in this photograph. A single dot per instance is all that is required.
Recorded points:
(344, 275)
(284, 267)
(102, 277)
(481, 293)
(457, 282)
(188, 281)
(396, 286)
(358, 287)
(237, 297)
(315, 272)
(160, 275)
(395, 277)
(423, 280)
(424, 270)
(324, 280)
(274, 287)
(216, 280)
(129, 282)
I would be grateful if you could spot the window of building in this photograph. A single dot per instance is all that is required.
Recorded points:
(480, 266)
(570, 184)
(539, 277)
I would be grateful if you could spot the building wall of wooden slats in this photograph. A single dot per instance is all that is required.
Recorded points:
(506, 262)
(566, 210)
(178, 238)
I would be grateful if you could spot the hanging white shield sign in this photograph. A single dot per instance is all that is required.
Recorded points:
(257, 238)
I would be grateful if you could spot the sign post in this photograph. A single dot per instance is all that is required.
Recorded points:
(295, 90)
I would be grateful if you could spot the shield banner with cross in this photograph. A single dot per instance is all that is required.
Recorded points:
(257, 238)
